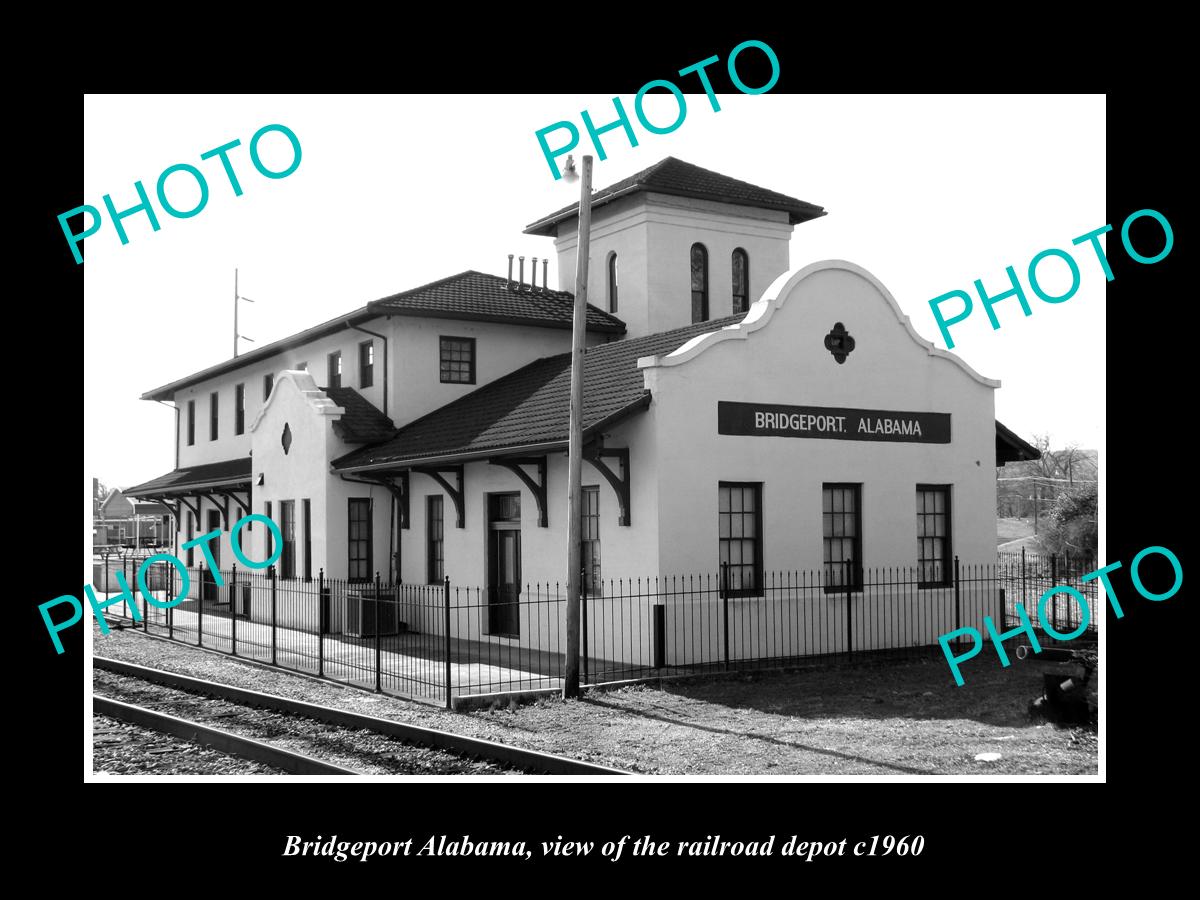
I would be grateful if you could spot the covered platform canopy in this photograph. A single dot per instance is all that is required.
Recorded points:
(219, 482)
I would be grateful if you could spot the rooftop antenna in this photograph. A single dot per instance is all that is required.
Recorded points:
(236, 298)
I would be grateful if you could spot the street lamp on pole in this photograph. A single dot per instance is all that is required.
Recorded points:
(575, 438)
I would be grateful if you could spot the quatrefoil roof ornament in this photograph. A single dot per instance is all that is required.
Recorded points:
(839, 342)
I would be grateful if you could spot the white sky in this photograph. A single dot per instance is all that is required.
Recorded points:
(928, 193)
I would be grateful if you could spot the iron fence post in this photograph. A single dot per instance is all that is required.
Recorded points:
(274, 654)
(1053, 583)
(378, 656)
(1024, 584)
(200, 610)
(849, 609)
(171, 608)
(957, 601)
(321, 622)
(725, 611)
(146, 604)
(446, 641)
(233, 599)
(583, 596)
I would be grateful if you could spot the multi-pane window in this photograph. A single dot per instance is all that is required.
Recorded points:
(268, 383)
(933, 535)
(739, 521)
(434, 539)
(366, 364)
(191, 422)
(589, 537)
(612, 282)
(741, 281)
(458, 360)
(841, 514)
(306, 507)
(335, 369)
(699, 283)
(239, 409)
(358, 542)
(287, 525)
(212, 416)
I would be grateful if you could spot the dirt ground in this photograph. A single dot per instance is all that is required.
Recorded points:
(904, 718)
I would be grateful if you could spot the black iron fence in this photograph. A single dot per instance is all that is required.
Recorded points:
(437, 642)
(1027, 575)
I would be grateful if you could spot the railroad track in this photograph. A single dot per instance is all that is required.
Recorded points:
(382, 746)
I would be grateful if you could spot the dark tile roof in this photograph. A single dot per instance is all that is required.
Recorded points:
(362, 423)
(471, 296)
(1011, 447)
(182, 481)
(531, 405)
(674, 176)
(486, 298)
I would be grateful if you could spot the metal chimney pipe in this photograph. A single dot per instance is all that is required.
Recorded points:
(508, 287)
(545, 264)
(533, 276)
(521, 277)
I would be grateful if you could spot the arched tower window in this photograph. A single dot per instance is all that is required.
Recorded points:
(612, 282)
(699, 283)
(741, 281)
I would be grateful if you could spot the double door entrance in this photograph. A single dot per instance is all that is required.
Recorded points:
(504, 564)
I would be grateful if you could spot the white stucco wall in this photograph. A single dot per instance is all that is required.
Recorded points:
(230, 445)
(416, 387)
(652, 235)
(785, 362)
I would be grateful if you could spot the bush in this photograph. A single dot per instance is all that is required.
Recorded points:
(1071, 524)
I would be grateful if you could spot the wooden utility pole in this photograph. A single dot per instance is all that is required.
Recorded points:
(575, 439)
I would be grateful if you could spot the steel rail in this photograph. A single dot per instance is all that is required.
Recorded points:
(518, 757)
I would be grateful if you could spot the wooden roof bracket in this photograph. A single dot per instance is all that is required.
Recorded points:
(537, 488)
(438, 473)
(595, 453)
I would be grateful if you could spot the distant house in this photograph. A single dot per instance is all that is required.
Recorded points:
(125, 522)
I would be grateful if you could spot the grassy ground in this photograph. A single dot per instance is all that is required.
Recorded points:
(1012, 529)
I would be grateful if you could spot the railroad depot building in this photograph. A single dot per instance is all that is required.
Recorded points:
(736, 412)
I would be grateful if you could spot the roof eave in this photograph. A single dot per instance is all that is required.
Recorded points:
(463, 456)
(602, 328)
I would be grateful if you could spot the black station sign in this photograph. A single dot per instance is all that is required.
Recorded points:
(832, 423)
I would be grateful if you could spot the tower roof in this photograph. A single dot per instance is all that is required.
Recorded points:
(682, 179)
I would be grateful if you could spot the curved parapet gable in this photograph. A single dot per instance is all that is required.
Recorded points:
(774, 297)
(306, 385)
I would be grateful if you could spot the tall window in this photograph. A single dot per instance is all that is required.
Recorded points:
(841, 508)
(699, 283)
(739, 521)
(306, 511)
(212, 416)
(239, 409)
(434, 533)
(589, 536)
(191, 424)
(335, 369)
(287, 525)
(359, 540)
(191, 533)
(933, 535)
(458, 360)
(268, 383)
(741, 281)
(612, 282)
(366, 364)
